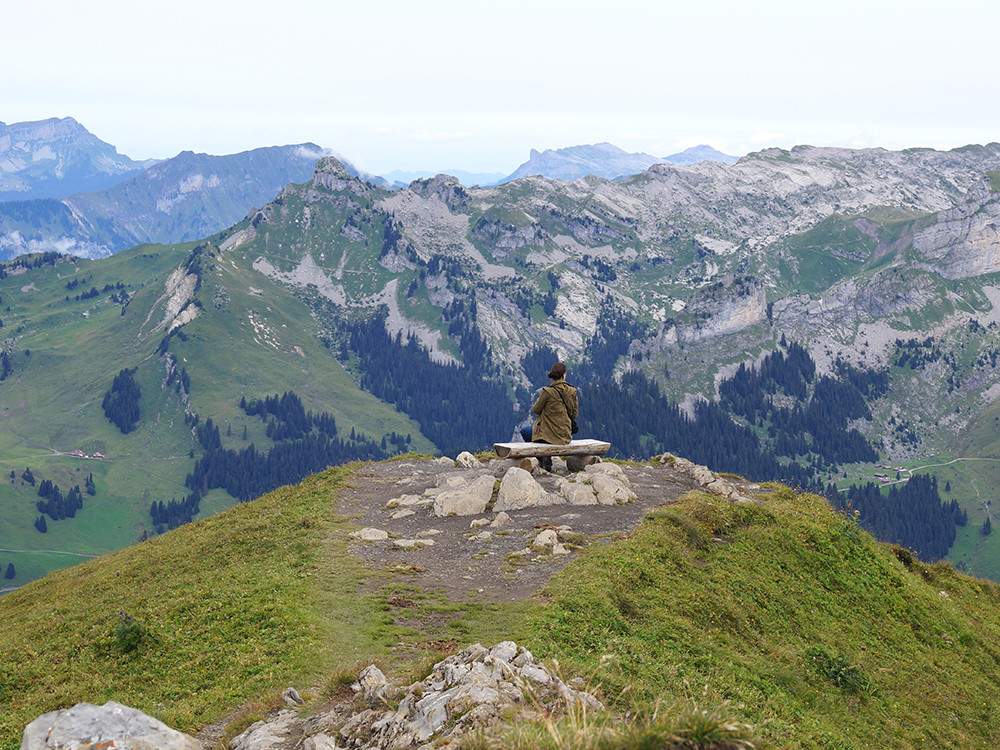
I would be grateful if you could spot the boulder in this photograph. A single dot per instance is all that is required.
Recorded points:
(320, 742)
(369, 534)
(112, 725)
(610, 491)
(578, 493)
(519, 490)
(467, 461)
(546, 538)
(264, 735)
(609, 470)
(469, 500)
(372, 684)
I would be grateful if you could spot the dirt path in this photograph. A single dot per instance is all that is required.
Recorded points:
(459, 565)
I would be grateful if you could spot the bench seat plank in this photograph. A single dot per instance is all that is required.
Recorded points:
(573, 448)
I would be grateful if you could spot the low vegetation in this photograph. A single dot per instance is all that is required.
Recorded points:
(773, 624)
(192, 624)
(807, 628)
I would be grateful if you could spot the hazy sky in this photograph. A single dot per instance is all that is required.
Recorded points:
(434, 84)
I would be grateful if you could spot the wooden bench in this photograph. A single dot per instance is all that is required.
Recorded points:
(534, 450)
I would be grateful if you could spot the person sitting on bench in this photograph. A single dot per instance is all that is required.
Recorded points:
(557, 410)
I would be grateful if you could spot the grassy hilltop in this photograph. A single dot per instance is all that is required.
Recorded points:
(782, 613)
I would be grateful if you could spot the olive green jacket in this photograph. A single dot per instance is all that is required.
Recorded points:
(552, 425)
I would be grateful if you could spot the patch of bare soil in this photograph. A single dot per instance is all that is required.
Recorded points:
(459, 564)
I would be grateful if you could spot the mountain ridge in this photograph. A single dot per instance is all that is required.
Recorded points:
(57, 157)
(605, 160)
(184, 198)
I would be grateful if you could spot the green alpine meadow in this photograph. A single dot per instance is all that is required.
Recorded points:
(778, 618)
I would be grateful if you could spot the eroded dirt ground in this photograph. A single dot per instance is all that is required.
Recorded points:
(459, 565)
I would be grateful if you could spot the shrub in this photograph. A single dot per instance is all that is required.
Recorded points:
(129, 633)
(838, 669)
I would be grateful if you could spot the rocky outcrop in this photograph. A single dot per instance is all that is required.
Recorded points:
(472, 493)
(87, 727)
(470, 690)
(964, 242)
(703, 477)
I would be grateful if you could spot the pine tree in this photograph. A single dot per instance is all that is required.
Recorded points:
(10, 572)
(41, 525)
(987, 527)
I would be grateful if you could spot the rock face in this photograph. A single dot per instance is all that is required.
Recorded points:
(469, 690)
(87, 727)
(964, 242)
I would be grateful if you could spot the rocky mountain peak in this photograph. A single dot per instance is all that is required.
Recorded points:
(55, 158)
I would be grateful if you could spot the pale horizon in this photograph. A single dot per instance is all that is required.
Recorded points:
(445, 85)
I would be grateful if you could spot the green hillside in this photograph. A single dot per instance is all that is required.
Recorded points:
(65, 352)
(780, 613)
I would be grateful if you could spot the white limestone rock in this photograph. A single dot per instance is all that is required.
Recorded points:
(412, 543)
(578, 493)
(370, 534)
(467, 500)
(467, 461)
(266, 735)
(545, 538)
(372, 684)
(320, 742)
(608, 469)
(111, 725)
(519, 490)
(610, 491)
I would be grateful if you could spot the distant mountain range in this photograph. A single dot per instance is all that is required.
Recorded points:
(184, 198)
(571, 163)
(402, 178)
(606, 160)
(63, 189)
(58, 157)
